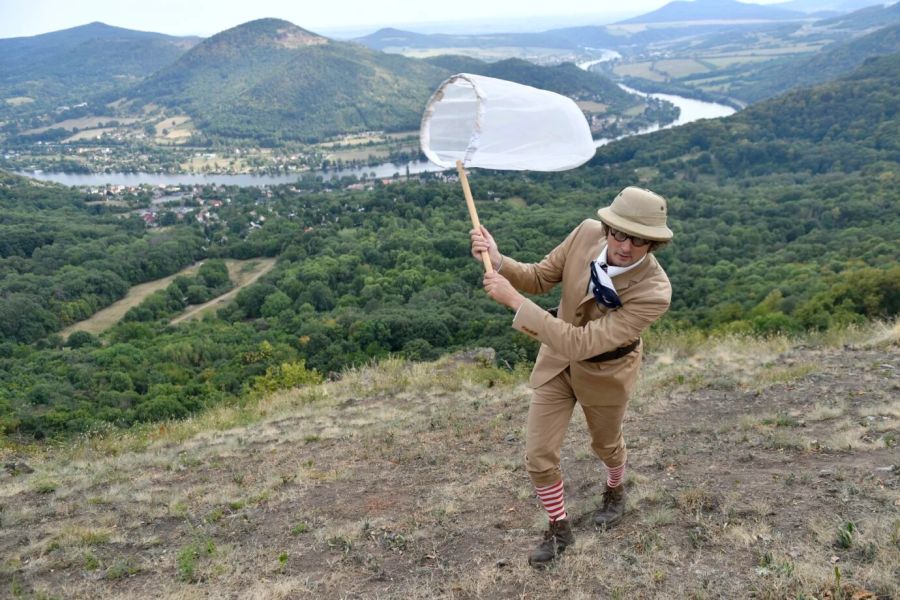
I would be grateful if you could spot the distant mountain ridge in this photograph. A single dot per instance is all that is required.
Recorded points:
(706, 10)
(569, 38)
(831, 63)
(871, 17)
(816, 6)
(69, 65)
(270, 75)
(397, 38)
(270, 81)
(566, 79)
(868, 32)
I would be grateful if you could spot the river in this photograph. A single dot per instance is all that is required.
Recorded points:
(244, 180)
(691, 110)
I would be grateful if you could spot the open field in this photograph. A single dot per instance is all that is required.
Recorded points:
(720, 62)
(380, 152)
(369, 145)
(361, 153)
(643, 70)
(89, 134)
(82, 123)
(242, 273)
(659, 70)
(679, 67)
(198, 164)
(763, 468)
(171, 123)
(365, 138)
(685, 60)
(592, 107)
(174, 129)
(534, 53)
(18, 100)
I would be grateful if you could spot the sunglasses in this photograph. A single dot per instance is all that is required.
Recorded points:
(621, 236)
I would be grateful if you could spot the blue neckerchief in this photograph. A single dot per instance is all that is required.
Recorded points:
(603, 288)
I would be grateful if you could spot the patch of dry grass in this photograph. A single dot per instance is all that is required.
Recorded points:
(592, 107)
(823, 412)
(18, 100)
(81, 123)
(643, 70)
(89, 134)
(680, 67)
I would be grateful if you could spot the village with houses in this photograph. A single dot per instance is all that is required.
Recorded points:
(165, 205)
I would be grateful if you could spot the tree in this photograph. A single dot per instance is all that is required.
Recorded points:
(214, 274)
(275, 304)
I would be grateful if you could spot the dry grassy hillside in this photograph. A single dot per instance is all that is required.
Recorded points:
(758, 468)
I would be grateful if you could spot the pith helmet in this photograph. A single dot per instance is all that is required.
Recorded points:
(638, 212)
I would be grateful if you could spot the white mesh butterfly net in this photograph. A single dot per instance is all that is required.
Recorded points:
(496, 124)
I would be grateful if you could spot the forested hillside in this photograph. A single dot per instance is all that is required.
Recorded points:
(61, 260)
(566, 79)
(273, 81)
(711, 10)
(758, 62)
(833, 61)
(597, 93)
(785, 219)
(72, 66)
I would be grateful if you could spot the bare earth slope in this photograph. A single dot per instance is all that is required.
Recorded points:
(757, 469)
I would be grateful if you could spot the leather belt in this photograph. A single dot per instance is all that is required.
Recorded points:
(614, 354)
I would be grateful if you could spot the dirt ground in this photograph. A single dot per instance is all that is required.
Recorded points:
(757, 469)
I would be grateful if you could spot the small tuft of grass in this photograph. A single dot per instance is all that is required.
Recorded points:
(91, 562)
(775, 375)
(45, 486)
(658, 517)
(190, 555)
(782, 420)
(341, 543)
(845, 535)
(822, 412)
(781, 440)
(121, 568)
(94, 537)
(695, 500)
(215, 515)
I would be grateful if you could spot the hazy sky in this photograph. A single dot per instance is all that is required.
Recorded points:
(330, 17)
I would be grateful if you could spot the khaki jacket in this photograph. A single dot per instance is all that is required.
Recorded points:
(584, 328)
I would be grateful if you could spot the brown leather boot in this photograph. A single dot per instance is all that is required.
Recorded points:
(612, 507)
(556, 539)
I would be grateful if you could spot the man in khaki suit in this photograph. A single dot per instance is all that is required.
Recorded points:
(613, 289)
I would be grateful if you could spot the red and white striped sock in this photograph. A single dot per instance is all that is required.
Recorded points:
(615, 475)
(553, 499)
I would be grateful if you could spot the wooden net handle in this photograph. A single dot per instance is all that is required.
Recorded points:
(488, 268)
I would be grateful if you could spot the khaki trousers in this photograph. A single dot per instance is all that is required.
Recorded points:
(548, 418)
